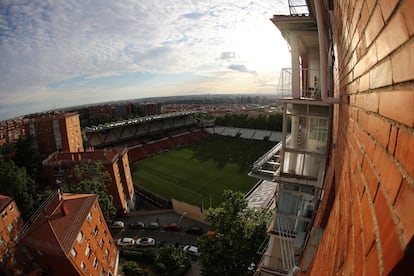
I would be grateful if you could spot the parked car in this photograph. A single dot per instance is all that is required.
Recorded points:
(146, 242)
(153, 226)
(137, 225)
(191, 250)
(117, 224)
(172, 227)
(122, 242)
(195, 230)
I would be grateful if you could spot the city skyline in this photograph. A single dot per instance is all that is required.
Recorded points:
(56, 55)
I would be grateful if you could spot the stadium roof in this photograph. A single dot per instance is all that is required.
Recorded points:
(139, 120)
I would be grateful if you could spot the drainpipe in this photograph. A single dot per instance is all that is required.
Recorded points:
(323, 59)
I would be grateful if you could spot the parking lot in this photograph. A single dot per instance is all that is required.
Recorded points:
(162, 217)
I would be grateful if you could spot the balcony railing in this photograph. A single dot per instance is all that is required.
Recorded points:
(309, 86)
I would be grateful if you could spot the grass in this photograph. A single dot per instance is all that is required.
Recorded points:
(202, 170)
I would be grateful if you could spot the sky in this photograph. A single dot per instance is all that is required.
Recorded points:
(60, 53)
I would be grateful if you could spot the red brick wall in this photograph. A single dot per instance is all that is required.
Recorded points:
(371, 221)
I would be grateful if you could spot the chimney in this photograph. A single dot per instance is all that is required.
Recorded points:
(65, 210)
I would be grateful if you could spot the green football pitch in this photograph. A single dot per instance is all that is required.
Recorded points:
(200, 172)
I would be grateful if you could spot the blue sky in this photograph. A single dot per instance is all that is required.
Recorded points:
(63, 53)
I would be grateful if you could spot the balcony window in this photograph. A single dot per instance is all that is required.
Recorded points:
(95, 263)
(88, 251)
(10, 227)
(73, 252)
(305, 148)
(96, 230)
(4, 215)
(80, 237)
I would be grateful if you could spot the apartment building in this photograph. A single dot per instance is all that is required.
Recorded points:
(11, 130)
(10, 226)
(345, 171)
(69, 236)
(55, 132)
(59, 164)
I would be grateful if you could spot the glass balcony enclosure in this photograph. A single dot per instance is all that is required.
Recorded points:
(305, 148)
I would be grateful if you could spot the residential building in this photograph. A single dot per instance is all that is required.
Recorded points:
(59, 164)
(55, 132)
(11, 130)
(68, 235)
(148, 109)
(10, 226)
(345, 175)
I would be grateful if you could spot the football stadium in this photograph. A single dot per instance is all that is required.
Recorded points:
(174, 156)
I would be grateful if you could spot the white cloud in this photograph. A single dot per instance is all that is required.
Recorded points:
(44, 42)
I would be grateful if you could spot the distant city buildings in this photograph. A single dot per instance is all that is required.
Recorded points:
(68, 235)
(11, 130)
(10, 226)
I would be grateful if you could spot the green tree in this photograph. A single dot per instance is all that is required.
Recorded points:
(15, 182)
(173, 258)
(28, 156)
(238, 231)
(93, 178)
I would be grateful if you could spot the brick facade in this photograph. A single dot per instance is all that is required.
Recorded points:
(370, 223)
(10, 225)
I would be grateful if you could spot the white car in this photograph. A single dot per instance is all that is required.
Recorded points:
(192, 250)
(117, 224)
(145, 242)
(125, 242)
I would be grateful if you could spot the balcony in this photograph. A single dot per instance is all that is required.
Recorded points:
(307, 87)
(267, 165)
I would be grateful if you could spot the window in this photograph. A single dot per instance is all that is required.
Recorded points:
(83, 266)
(100, 220)
(4, 215)
(80, 237)
(101, 243)
(88, 251)
(10, 227)
(96, 230)
(1, 240)
(102, 272)
(106, 253)
(90, 217)
(73, 252)
(11, 208)
(95, 263)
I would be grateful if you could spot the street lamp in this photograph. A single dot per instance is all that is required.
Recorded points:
(185, 213)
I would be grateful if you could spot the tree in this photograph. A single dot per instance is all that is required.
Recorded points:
(173, 258)
(93, 178)
(29, 157)
(15, 182)
(238, 231)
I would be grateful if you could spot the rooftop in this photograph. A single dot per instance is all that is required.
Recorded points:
(5, 201)
(56, 226)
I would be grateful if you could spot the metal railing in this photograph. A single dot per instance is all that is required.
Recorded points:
(309, 86)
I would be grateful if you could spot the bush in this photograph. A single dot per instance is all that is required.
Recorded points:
(149, 255)
(160, 269)
(132, 255)
(132, 268)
